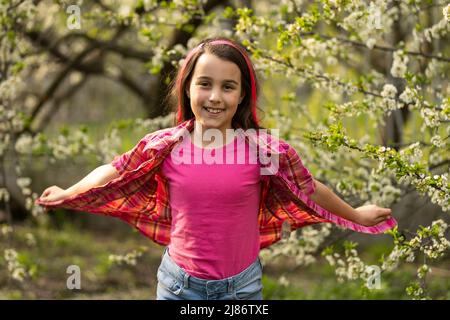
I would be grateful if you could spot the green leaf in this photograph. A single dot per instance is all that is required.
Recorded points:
(228, 13)
(188, 28)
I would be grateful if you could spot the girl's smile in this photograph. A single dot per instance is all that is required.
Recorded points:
(213, 111)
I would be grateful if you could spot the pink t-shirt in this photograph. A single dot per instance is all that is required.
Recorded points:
(214, 205)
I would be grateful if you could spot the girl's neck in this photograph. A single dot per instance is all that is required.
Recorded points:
(198, 137)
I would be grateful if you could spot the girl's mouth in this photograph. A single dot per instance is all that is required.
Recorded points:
(213, 110)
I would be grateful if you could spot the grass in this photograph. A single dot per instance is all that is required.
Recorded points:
(58, 247)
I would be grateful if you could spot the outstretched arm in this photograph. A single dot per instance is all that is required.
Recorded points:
(99, 176)
(368, 215)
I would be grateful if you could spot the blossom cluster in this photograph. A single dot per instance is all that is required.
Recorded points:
(349, 266)
(130, 258)
(301, 245)
(16, 269)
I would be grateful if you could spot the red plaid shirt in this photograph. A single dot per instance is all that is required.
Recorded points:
(140, 196)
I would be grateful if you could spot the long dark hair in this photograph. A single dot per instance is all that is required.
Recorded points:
(225, 49)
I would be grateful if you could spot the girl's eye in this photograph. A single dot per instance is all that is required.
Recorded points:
(203, 84)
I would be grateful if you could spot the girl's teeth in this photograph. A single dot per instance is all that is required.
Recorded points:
(213, 110)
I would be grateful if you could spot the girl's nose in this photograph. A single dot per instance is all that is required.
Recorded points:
(215, 95)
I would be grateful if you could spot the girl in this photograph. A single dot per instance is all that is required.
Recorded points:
(210, 202)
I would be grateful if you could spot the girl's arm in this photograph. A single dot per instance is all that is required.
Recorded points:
(368, 215)
(99, 176)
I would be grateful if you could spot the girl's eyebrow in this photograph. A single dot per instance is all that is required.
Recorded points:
(226, 80)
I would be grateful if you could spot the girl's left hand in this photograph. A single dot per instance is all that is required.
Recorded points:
(371, 215)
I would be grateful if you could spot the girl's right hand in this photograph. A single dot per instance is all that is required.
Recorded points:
(53, 193)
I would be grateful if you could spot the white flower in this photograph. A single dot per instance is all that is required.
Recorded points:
(334, 3)
(330, 260)
(4, 194)
(10, 254)
(432, 69)
(374, 18)
(314, 47)
(410, 257)
(389, 91)
(370, 43)
(436, 31)
(23, 182)
(124, 10)
(415, 242)
(437, 141)
(75, 77)
(407, 96)
(5, 230)
(30, 239)
(331, 60)
(115, 259)
(399, 64)
(283, 281)
(19, 274)
(446, 12)
(24, 144)
(431, 117)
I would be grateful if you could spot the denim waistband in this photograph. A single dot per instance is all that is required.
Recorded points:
(210, 286)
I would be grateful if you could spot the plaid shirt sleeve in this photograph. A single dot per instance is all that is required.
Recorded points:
(131, 159)
(295, 171)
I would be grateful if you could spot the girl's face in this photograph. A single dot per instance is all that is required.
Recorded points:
(215, 92)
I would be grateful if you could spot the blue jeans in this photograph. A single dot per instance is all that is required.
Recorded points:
(175, 284)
